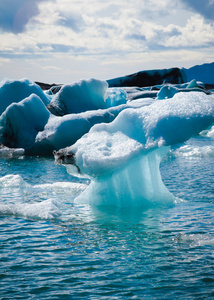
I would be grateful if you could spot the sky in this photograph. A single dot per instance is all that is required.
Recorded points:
(62, 41)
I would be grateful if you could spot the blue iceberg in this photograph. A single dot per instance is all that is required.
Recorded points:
(115, 136)
(122, 158)
(12, 91)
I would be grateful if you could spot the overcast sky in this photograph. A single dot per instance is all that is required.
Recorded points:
(66, 40)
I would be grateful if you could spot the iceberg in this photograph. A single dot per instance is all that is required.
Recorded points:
(27, 123)
(85, 95)
(79, 97)
(150, 78)
(60, 132)
(30, 125)
(169, 90)
(115, 136)
(204, 73)
(39, 123)
(21, 122)
(122, 158)
(16, 90)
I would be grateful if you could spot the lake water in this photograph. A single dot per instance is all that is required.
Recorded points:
(51, 247)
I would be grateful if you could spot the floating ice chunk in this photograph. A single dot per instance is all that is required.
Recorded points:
(11, 152)
(194, 151)
(20, 122)
(116, 96)
(47, 209)
(196, 239)
(204, 73)
(167, 91)
(193, 84)
(74, 188)
(60, 132)
(86, 95)
(12, 181)
(16, 90)
(79, 97)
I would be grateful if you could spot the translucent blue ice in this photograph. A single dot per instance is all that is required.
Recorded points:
(21, 122)
(16, 90)
(85, 95)
(122, 158)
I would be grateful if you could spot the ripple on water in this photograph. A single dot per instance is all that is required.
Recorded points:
(89, 253)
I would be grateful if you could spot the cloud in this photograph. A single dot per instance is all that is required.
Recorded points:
(106, 28)
(14, 15)
(4, 60)
(60, 13)
(196, 33)
(102, 31)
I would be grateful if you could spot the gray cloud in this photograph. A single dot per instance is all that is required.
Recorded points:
(15, 14)
(204, 8)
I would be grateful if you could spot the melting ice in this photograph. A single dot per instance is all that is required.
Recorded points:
(122, 158)
(116, 137)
